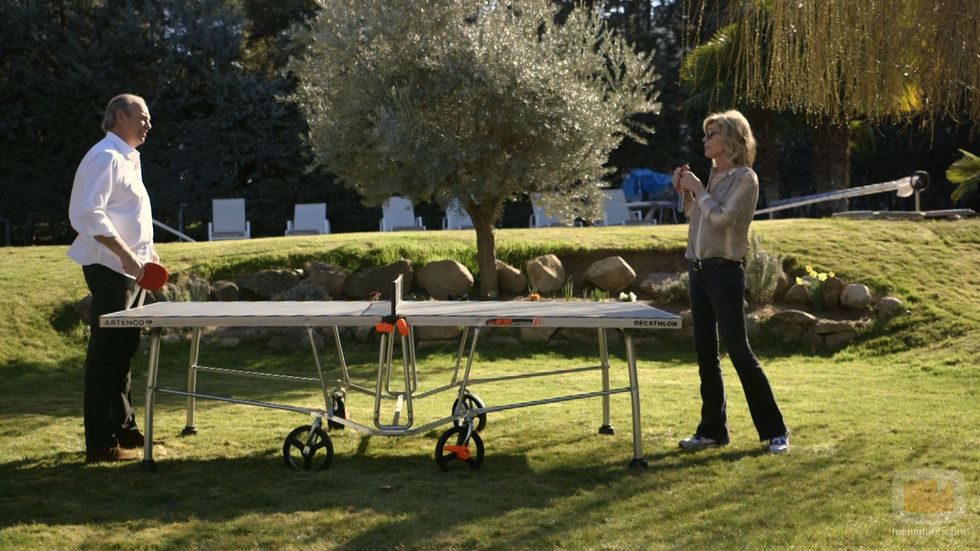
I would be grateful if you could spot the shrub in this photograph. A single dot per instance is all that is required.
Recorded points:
(762, 271)
(672, 290)
(568, 289)
(595, 295)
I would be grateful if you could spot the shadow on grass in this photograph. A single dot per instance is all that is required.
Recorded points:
(64, 318)
(57, 391)
(61, 489)
(409, 499)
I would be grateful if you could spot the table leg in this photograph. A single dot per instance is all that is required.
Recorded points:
(190, 427)
(638, 462)
(606, 427)
(151, 384)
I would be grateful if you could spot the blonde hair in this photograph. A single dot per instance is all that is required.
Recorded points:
(736, 136)
(122, 102)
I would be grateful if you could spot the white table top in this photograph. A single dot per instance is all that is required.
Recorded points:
(417, 313)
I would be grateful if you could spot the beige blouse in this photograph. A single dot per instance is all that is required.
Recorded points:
(720, 218)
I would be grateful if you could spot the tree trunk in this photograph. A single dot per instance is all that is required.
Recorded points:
(831, 162)
(486, 249)
(767, 153)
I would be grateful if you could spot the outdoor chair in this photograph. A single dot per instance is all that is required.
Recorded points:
(398, 213)
(308, 219)
(228, 220)
(456, 218)
(617, 212)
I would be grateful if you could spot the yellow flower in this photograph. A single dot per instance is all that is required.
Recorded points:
(799, 281)
(822, 277)
(830, 274)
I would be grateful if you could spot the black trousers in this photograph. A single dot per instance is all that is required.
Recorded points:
(717, 303)
(108, 405)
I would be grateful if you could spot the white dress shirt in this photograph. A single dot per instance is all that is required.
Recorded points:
(108, 198)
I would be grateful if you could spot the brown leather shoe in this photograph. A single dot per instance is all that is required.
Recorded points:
(130, 439)
(109, 455)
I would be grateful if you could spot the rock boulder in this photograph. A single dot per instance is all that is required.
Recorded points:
(611, 274)
(443, 279)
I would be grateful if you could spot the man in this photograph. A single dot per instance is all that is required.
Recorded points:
(110, 210)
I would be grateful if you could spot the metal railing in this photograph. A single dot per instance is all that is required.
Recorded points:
(182, 236)
(914, 184)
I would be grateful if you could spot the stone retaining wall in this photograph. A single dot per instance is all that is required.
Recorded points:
(450, 280)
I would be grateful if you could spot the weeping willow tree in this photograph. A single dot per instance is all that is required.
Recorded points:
(710, 77)
(473, 101)
(886, 60)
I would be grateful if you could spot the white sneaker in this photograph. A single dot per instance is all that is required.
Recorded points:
(779, 444)
(697, 443)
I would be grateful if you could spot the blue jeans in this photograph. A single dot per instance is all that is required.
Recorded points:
(717, 295)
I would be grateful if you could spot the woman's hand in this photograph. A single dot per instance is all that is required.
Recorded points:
(676, 177)
(689, 182)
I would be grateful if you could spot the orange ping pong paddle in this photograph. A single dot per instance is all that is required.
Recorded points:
(152, 276)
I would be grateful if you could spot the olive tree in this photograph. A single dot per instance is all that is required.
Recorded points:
(475, 101)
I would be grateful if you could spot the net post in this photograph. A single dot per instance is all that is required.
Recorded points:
(396, 296)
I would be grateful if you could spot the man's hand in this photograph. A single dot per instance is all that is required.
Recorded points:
(130, 264)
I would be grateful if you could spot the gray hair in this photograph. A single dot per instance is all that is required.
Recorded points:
(122, 102)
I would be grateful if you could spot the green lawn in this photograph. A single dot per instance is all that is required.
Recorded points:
(902, 399)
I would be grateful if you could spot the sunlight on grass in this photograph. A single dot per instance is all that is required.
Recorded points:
(900, 399)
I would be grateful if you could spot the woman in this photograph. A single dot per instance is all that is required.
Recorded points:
(720, 214)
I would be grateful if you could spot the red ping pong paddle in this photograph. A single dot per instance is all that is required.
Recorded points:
(152, 276)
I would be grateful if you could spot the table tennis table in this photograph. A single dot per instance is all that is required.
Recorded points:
(461, 444)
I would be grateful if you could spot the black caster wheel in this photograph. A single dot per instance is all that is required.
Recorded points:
(339, 410)
(471, 401)
(470, 453)
(607, 429)
(301, 447)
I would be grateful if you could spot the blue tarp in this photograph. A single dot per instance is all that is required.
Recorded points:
(643, 183)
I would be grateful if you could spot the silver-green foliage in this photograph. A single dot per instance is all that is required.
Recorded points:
(674, 289)
(762, 271)
(472, 100)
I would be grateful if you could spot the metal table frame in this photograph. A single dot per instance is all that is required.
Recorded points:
(474, 317)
